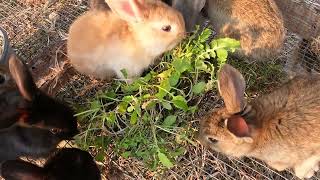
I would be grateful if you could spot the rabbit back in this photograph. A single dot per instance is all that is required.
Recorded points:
(289, 118)
(258, 25)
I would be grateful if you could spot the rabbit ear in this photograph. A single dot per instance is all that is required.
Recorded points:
(22, 77)
(231, 87)
(21, 170)
(128, 10)
(238, 126)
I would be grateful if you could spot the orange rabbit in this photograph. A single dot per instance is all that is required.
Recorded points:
(130, 36)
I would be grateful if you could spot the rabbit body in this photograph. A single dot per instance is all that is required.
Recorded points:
(102, 43)
(257, 24)
(281, 128)
(67, 163)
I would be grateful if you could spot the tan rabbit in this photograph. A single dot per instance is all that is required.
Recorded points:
(130, 36)
(281, 128)
(257, 24)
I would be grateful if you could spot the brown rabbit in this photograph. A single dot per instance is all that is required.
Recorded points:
(130, 36)
(281, 128)
(257, 24)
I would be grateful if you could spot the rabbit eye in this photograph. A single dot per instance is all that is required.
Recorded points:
(166, 28)
(212, 140)
(55, 130)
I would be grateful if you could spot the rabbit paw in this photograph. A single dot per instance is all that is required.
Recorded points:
(312, 171)
(307, 168)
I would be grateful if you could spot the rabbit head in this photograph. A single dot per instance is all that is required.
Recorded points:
(156, 25)
(191, 11)
(37, 108)
(225, 130)
(67, 163)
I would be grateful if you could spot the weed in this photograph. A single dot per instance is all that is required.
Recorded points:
(147, 119)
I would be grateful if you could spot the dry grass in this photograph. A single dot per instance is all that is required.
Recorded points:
(38, 33)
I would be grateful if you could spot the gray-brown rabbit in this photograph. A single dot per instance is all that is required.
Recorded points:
(257, 24)
(191, 11)
(281, 128)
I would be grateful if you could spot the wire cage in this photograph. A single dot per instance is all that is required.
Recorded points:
(38, 31)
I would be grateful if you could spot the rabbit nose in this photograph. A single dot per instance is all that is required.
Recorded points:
(212, 140)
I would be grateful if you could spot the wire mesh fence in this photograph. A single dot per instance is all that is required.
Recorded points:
(38, 32)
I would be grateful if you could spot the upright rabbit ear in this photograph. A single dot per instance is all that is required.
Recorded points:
(231, 87)
(128, 10)
(22, 77)
(21, 170)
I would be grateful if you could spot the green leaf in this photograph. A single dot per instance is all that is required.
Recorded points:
(174, 78)
(138, 109)
(131, 87)
(201, 65)
(111, 117)
(199, 87)
(124, 73)
(164, 88)
(122, 107)
(128, 99)
(169, 121)
(95, 104)
(111, 94)
(193, 109)
(134, 118)
(130, 109)
(100, 156)
(165, 74)
(225, 43)
(126, 154)
(180, 102)
(178, 152)
(166, 105)
(146, 117)
(205, 34)
(222, 55)
(181, 65)
(165, 160)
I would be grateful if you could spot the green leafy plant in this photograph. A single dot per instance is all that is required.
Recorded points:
(148, 119)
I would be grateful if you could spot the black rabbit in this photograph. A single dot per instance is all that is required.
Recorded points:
(31, 122)
(66, 164)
